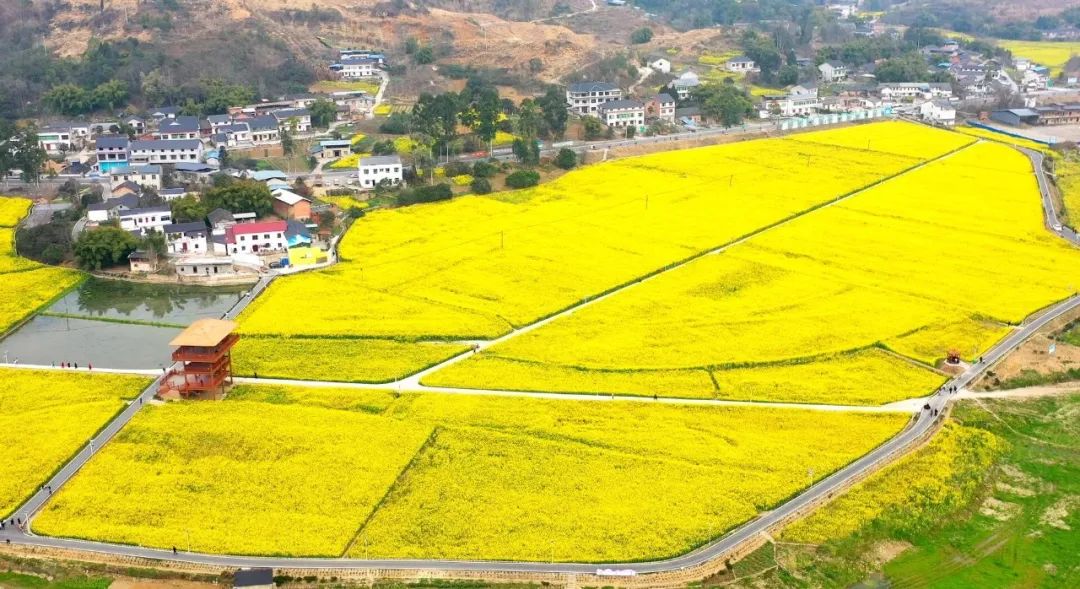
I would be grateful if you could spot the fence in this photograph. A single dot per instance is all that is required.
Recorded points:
(833, 119)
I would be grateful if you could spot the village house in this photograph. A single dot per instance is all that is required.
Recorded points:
(164, 112)
(686, 84)
(127, 189)
(233, 135)
(660, 107)
(111, 152)
(289, 205)
(142, 262)
(56, 139)
(187, 238)
(178, 128)
(740, 64)
(789, 105)
(912, 90)
(660, 64)
(148, 176)
(253, 238)
(264, 130)
(158, 151)
(194, 266)
(689, 115)
(623, 113)
(145, 220)
(355, 66)
(585, 98)
(171, 194)
(218, 121)
(137, 124)
(376, 169)
(833, 71)
(296, 120)
(100, 212)
(332, 149)
(938, 112)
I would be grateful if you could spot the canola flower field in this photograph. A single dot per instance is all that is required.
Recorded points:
(1052, 54)
(442, 476)
(940, 259)
(25, 285)
(943, 475)
(477, 267)
(45, 417)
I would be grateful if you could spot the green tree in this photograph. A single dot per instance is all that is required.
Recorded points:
(323, 112)
(642, 35)
(486, 106)
(68, 99)
(553, 109)
(566, 158)
(241, 196)
(28, 155)
(789, 75)
(527, 151)
(725, 103)
(102, 247)
(188, 209)
(529, 119)
(424, 55)
(154, 242)
(288, 144)
(593, 127)
(110, 95)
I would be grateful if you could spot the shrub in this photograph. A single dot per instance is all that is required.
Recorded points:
(421, 194)
(481, 186)
(484, 169)
(456, 168)
(523, 179)
(566, 158)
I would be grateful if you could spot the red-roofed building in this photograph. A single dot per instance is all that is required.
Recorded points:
(250, 238)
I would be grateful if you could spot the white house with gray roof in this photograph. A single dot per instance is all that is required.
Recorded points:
(623, 113)
(164, 151)
(178, 128)
(148, 176)
(585, 98)
(375, 169)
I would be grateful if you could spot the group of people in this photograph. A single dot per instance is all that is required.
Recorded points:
(74, 365)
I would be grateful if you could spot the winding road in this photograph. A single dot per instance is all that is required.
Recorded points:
(921, 425)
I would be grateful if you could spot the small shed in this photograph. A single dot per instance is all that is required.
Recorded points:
(142, 261)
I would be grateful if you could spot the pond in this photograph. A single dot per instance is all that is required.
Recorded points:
(116, 324)
(174, 304)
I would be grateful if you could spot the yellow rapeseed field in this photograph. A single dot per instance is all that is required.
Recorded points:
(476, 267)
(45, 417)
(926, 262)
(25, 285)
(320, 471)
(939, 477)
(339, 359)
(236, 477)
(1052, 54)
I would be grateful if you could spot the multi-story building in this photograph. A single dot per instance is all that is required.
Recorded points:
(355, 66)
(661, 107)
(159, 151)
(56, 139)
(187, 238)
(112, 152)
(146, 219)
(253, 238)
(264, 129)
(623, 113)
(178, 128)
(293, 119)
(585, 98)
(375, 169)
(148, 176)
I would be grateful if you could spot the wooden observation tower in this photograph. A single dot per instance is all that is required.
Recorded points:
(203, 353)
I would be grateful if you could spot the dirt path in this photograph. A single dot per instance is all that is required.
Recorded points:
(1024, 393)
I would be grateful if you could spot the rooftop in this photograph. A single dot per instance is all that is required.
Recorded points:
(156, 144)
(147, 169)
(204, 333)
(592, 87)
(381, 160)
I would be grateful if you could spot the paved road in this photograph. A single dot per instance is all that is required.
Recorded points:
(921, 425)
(1049, 210)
